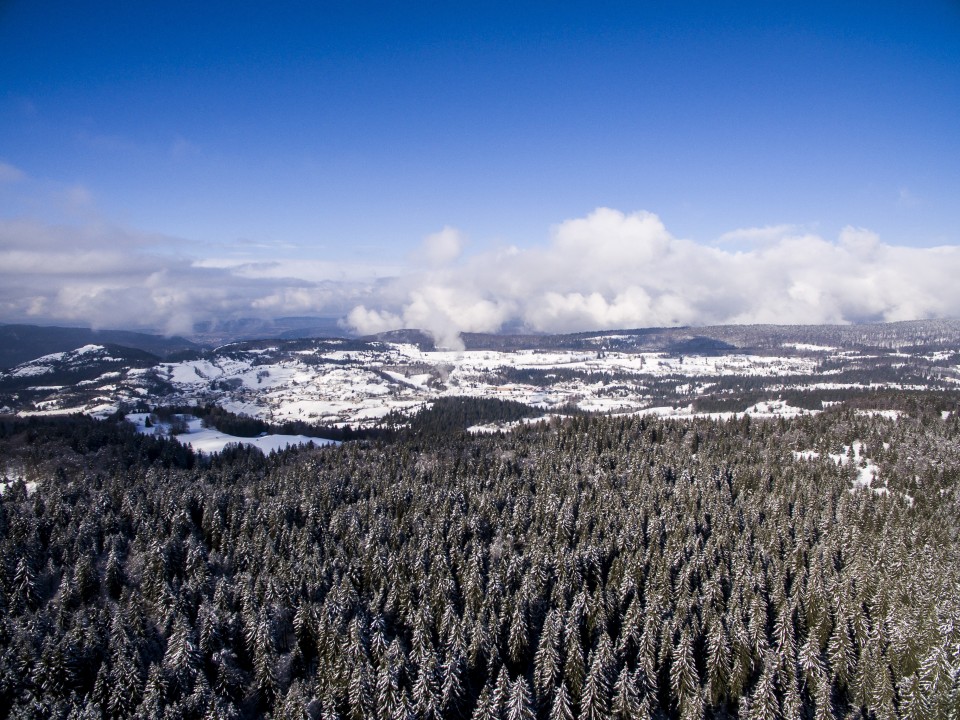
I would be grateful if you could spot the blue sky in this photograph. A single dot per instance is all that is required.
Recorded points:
(207, 135)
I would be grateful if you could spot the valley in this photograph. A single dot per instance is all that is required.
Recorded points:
(357, 383)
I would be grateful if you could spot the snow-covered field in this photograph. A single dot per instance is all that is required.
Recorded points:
(372, 385)
(339, 384)
(210, 440)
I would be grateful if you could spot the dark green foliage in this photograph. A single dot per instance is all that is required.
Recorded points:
(589, 568)
(447, 415)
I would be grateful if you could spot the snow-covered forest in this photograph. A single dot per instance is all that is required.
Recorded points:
(587, 567)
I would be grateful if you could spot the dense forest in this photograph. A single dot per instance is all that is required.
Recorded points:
(443, 416)
(588, 568)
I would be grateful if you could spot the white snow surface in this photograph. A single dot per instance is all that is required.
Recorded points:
(776, 408)
(888, 414)
(506, 427)
(31, 370)
(808, 347)
(330, 385)
(868, 473)
(13, 475)
(867, 470)
(210, 440)
(46, 363)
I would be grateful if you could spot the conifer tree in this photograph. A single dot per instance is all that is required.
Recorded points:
(519, 638)
(594, 703)
(453, 688)
(360, 692)
(684, 679)
(25, 585)
(574, 667)
(562, 706)
(519, 703)
(182, 658)
(764, 704)
(546, 661)
(485, 709)
(718, 662)
(426, 693)
(840, 652)
(501, 691)
(387, 689)
(626, 701)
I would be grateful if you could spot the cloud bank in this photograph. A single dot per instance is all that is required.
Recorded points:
(604, 271)
(615, 270)
(110, 277)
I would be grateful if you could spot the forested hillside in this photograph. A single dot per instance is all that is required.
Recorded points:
(588, 568)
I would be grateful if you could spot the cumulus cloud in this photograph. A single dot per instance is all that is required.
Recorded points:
(607, 270)
(615, 270)
(441, 248)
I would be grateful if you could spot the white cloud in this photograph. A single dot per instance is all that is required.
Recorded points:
(860, 243)
(604, 271)
(441, 248)
(373, 321)
(758, 235)
(112, 277)
(614, 270)
(300, 269)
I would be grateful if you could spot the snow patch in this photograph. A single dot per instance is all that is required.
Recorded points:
(775, 409)
(210, 440)
(11, 476)
(810, 347)
(888, 414)
(506, 427)
(868, 473)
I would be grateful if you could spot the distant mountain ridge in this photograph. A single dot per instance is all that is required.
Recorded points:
(710, 339)
(22, 343)
(220, 332)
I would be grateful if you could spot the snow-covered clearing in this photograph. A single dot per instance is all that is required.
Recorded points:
(764, 409)
(210, 440)
(868, 473)
(506, 427)
(808, 347)
(888, 414)
(10, 476)
(776, 409)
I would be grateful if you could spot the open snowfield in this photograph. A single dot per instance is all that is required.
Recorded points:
(210, 440)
